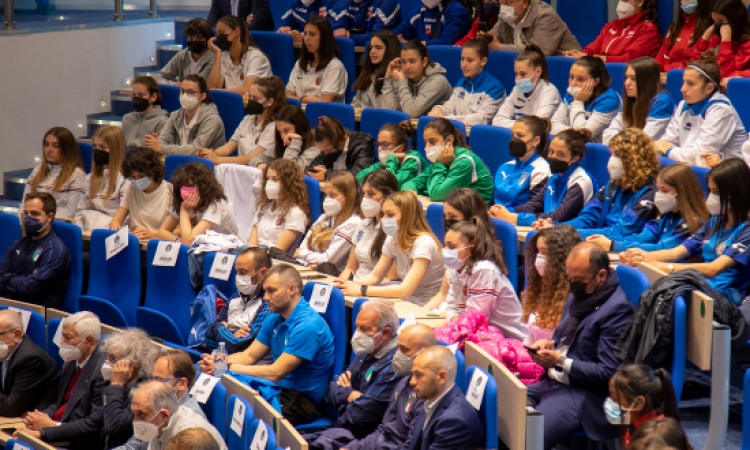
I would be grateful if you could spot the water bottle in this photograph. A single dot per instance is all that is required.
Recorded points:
(220, 360)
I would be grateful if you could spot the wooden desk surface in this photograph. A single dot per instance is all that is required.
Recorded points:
(87, 238)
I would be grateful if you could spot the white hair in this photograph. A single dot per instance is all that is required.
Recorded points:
(134, 345)
(86, 324)
(160, 395)
(12, 319)
(387, 316)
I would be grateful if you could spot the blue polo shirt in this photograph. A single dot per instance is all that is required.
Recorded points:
(305, 335)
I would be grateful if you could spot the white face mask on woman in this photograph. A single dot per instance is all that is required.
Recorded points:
(625, 9)
(332, 207)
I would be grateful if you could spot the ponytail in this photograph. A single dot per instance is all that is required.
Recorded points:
(655, 386)
(668, 397)
(538, 126)
(486, 246)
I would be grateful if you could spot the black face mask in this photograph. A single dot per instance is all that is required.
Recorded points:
(222, 41)
(253, 108)
(557, 166)
(717, 29)
(448, 224)
(101, 158)
(579, 290)
(197, 46)
(517, 147)
(140, 104)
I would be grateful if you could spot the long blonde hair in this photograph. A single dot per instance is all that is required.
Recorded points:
(115, 140)
(413, 222)
(345, 183)
(70, 159)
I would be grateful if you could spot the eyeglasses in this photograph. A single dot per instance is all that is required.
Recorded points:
(189, 92)
(8, 331)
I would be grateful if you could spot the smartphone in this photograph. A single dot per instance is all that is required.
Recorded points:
(482, 27)
(531, 351)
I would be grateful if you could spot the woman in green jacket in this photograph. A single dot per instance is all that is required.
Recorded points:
(393, 140)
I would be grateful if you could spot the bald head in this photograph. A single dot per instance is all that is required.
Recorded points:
(433, 372)
(10, 320)
(438, 358)
(589, 255)
(415, 338)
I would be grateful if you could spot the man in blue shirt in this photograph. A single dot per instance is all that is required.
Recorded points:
(436, 22)
(36, 268)
(300, 342)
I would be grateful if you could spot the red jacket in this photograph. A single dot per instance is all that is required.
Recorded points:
(474, 31)
(623, 40)
(733, 57)
(681, 52)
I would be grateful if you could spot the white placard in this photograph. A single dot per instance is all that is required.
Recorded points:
(453, 347)
(203, 387)
(476, 389)
(58, 334)
(116, 243)
(320, 297)
(261, 437)
(222, 266)
(238, 417)
(18, 446)
(166, 254)
(25, 316)
(411, 319)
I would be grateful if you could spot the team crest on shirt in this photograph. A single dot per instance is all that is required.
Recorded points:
(428, 30)
(461, 95)
(465, 290)
(279, 222)
(688, 126)
(360, 235)
(369, 12)
(322, 11)
(523, 178)
(738, 248)
(647, 203)
(317, 81)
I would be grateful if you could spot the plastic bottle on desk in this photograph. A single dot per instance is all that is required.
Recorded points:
(220, 360)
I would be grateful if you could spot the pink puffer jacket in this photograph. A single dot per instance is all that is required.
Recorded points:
(472, 326)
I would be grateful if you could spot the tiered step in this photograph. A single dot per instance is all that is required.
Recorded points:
(165, 51)
(14, 182)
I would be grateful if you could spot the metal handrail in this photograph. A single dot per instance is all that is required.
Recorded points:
(10, 16)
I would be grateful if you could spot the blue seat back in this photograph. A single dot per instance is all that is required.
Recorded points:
(170, 98)
(500, 64)
(335, 317)
(679, 353)
(702, 174)
(159, 325)
(344, 113)
(423, 121)
(270, 443)
(508, 236)
(665, 11)
(227, 287)
(313, 196)
(664, 162)
(118, 279)
(584, 18)
(674, 84)
(436, 220)
(595, 162)
(348, 59)
(488, 407)
(461, 370)
(559, 72)
(10, 231)
(71, 236)
(13, 444)
(294, 101)
(738, 91)
(234, 440)
(215, 409)
(231, 109)
(172, 298)
(373, 119)
(173, 162)
(52, 349)
(633, 282)
(355, 312)
(279, 48)
(449, 57)
(491, 144)
(617, 72)
(87, 151)
(36, 329)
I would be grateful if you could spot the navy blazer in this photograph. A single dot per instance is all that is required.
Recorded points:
(82, 420)
(594, 362)
(454, 425)
(260, 9)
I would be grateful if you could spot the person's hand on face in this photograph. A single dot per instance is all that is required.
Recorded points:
(726, 32)
(587, 90)
(212, 46)
(122, 372)
(447, 154)
(296, 36)
(206, 364)
(289, 137)
(192, 201)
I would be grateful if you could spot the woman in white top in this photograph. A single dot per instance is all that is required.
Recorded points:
(198, 205)
(369, 237)
(411, 246)
(60, 173)
(533, 94)
(148, 198)
(238, 61)
(105, 185)
(318, 75)
(294, 137)
(253, 140)
(283, 211)
(326, 246)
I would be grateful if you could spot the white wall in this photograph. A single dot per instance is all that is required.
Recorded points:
(56, 78)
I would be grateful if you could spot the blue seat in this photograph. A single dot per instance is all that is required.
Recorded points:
(195, 355)
(294, 101)
(508, 236)
(460, 367)
(279, 48)
(349, 60)
(71, 236)
(114, 290)
(738, 91)
(665, 11)
(313, 196)
(241, 441)
(270, 443)
(166, 310)
(36, 329)
(679, 352)
(449, 57)
(52, 349)
(584, 18)
(231, 109)
(491, 144)
(633, 282)
(355, 312)
(340, 111)
(373, 119)
(674, 84)
(595, 162)
(87, 151)
(13, 444)
(488, 407)
(525, 248)
(170, 98)
(423, 121)
(559, 72)
(436, 220)
(172, 162)
(617, 72)
(664, 162)
(215, 409)
(702, 174)
(227, 287)
(500, 64)
(10, 231)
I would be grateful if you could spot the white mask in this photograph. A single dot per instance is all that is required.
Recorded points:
(573, 90)
(389, 226)
(383, 155)
(614, 166)
(331, 207)
(145, 431)
(107, 370)
(70, 352)
(370, 207)
(272, 189)
(187, 101)
(433, 152)
(540, 263)
(625, 9)
(431, 3)
(713, 203)
(245, 284)
(508, 14)
(362, 343)
(666, 203)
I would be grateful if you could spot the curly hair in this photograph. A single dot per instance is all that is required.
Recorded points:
(344, 182)
(546, 295)
(293, 191)
(639, 162)
(199, 175)
(144, 161)
(134, 345)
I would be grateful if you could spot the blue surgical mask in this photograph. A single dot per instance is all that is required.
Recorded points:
(525, 85)
(689, 8)
(389, 226)
(616, 415)
(451, 259)
(141, 184)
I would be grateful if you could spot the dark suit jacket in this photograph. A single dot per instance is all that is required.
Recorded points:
(260, 9)
(594, 362)
(454, 425)
(81, 422)
(31, 380)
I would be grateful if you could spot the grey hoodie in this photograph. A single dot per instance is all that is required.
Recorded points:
(208, 131)
(135, 126)
(368, 98)
(417, 99)
(179, 67)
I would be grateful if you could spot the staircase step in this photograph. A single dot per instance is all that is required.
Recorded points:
(15, 183)
(121, 103)
(145, 71)
(165, 51)
(97, 120)
(179, 28)
(9, 206)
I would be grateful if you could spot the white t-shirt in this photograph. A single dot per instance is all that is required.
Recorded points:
(254, 64)
(250, 136)
(271, 225)
(424, 247)
(331, 80)
(337, 252)
(148, 209)
(363, 238)
(219, 214)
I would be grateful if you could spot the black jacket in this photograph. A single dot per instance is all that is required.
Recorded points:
(260, 9)
(31, 380)
(359, 155)
(118, 418)
(81, 422)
